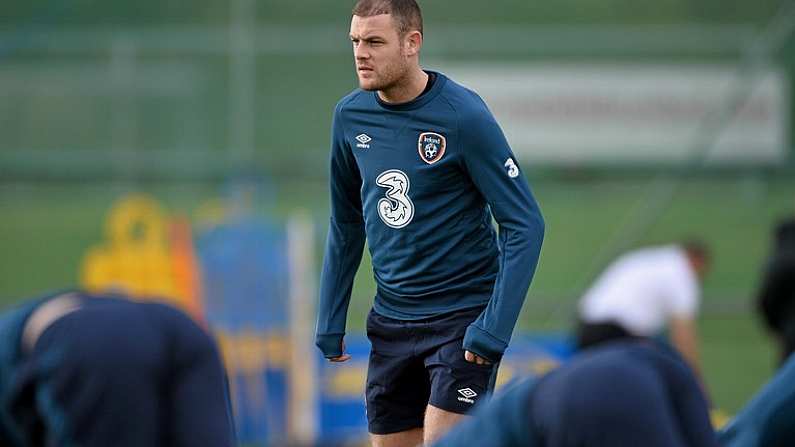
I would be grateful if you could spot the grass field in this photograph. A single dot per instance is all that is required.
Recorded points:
(46, 229)
(152, 90)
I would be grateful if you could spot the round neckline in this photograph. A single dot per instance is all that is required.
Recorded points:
(420, 100)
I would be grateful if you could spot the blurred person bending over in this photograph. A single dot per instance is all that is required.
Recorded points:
(622, 393)
(645, 292)
(98, 371)
(768, 420)
(419, 167)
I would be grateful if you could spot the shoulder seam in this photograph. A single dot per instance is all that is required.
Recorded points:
(341, 108)
(455, 113)
(462, 160)
(347, 99)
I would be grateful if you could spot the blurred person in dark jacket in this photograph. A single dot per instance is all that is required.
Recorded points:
(99, 371)
(768, 420)
(776, 300)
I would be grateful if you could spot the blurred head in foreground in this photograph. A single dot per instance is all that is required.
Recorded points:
(88, 370)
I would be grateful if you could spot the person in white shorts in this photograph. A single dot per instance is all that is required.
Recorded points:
(643, 293)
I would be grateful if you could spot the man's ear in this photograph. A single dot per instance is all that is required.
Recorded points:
(413, 43)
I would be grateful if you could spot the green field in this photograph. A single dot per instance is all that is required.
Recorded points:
(108, 98)
(46, 229)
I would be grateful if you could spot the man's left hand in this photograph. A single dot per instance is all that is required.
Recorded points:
(474, 358)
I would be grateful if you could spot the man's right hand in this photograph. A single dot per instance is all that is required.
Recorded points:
(343, 358)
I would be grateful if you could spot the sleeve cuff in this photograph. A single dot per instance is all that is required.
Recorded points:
(330, 344)
(484, 344)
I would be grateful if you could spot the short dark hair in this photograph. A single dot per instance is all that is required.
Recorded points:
(697, 248)
(405, 13)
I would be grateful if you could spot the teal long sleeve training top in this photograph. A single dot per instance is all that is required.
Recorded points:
(421, 181)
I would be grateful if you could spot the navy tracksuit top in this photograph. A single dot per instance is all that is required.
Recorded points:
(422, 181)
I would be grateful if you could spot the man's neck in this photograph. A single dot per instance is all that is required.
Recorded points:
(406, 91)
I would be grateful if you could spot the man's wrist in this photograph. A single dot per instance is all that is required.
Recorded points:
(483, 344)
(330, 344)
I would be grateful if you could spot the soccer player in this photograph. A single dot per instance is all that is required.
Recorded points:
(768, 420)
(98, 371)
(776, 300)
(623, 393)
(644, 292)
(419, 167)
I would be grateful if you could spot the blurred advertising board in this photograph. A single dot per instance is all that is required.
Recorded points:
(579, 113)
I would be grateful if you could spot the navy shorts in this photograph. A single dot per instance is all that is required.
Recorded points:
(414, 363)
(124, 374)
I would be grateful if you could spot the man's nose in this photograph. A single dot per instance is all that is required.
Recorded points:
(360, 52)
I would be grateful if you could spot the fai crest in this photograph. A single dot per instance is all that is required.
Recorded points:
(431, 146)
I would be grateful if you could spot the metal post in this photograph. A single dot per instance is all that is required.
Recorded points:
(302, 409)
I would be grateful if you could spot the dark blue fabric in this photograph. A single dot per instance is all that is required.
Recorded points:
(12, 322)
(622, 394)
(419, 362)
(121, 373)
(438, 252)
(767, 420)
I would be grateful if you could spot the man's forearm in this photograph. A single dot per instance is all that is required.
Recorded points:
(343, 254)
(488, 336)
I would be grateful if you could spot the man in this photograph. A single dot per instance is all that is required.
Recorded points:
(420, 166)
(776, 300)
(98, 371)
(623, 393)
(644, 292)
(768, 420)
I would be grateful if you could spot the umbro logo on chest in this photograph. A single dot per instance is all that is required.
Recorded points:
(363, 141)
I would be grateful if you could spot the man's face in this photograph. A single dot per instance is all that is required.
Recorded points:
(377, 51)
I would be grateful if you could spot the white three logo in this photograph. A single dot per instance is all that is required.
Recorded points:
(396, 210)
(513, 170)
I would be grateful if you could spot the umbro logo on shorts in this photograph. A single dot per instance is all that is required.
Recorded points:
(363, 140)
(466, 395)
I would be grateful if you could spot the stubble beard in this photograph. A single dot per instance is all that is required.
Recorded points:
(391, 76)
